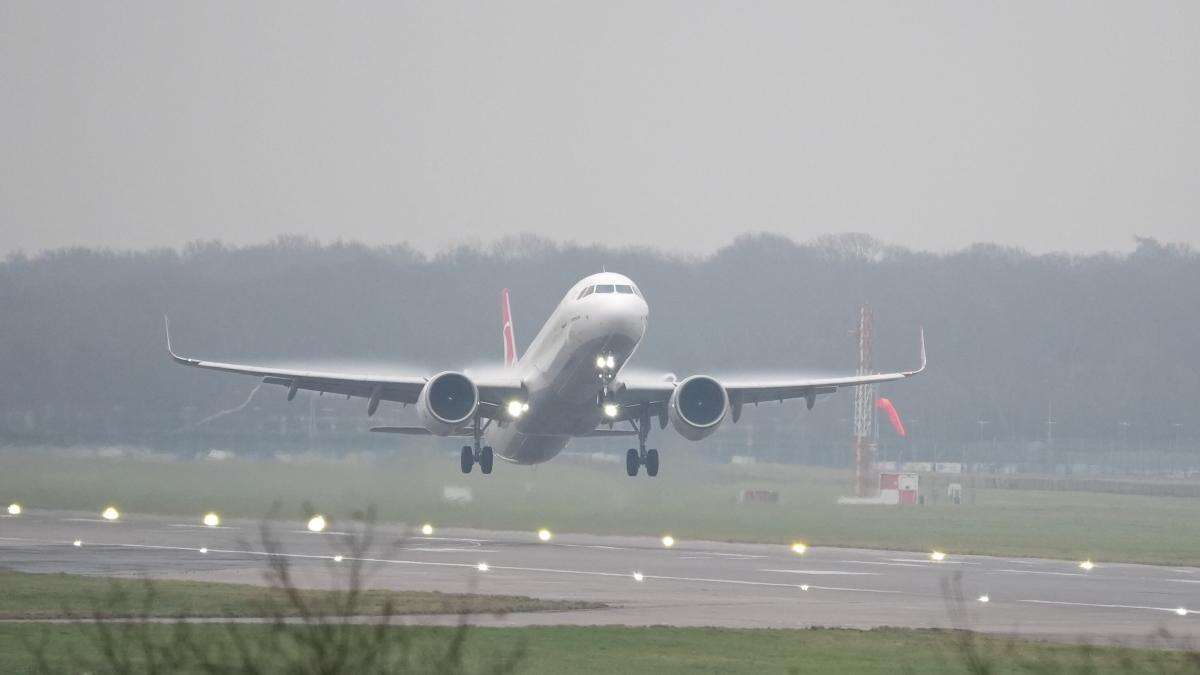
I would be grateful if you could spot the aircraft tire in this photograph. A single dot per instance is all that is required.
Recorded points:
(652, 462)
(485, 459)
(467, 459)
(632, 462)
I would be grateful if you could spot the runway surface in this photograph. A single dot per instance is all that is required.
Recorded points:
(693, 583)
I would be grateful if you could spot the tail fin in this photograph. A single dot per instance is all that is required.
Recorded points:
(510, 338)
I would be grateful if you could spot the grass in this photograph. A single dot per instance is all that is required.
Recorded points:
(689, 499)
(43, 596)
(660, 650)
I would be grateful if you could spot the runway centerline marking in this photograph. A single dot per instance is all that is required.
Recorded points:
(877, 562)
(825, 572)
(1172, 610)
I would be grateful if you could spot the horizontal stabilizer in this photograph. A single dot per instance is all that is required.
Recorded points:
(413, 431)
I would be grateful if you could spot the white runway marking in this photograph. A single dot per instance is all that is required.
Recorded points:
(877, 562)
(88, 520)
(190, 526)
(1185, 581)
(1173, 610)
(825, 572)
(938, 562)
(1049, 574)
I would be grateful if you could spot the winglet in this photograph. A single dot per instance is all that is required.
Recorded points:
(175, 357)
(921, 369)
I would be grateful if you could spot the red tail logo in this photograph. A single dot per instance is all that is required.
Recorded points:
(510, 339)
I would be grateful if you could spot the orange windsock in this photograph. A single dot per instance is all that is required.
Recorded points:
(893, 416)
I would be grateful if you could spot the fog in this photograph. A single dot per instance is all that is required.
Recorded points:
(1103, 345)
(677, 124)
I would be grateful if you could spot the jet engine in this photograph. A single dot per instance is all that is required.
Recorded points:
(447, 401)
(698, 406)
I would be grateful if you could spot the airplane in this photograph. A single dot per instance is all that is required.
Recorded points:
(567, 384)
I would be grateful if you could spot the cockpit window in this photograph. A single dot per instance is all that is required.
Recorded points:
(605, 288)
(624, 289)
(637, 292)
(586, 292)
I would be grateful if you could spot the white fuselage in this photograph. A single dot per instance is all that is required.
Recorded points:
(559, 369)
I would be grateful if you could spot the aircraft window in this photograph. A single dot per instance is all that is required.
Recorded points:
(624, 289)
(637, 292)
(605, 288)
(586, 292)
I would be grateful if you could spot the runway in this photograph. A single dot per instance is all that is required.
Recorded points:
(693, 583)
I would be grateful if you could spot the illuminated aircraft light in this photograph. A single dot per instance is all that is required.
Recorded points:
(937, 556)
(638, 576)
(482, 567)
(799, 548)
(14, 509)
(1087, 565)
(204, 549)
(524, 407)
(515, 408)
(545, 534)
(600, 361)
(611, 409)
(1182, 611)
(611, 362)
(111, 513)
(668, 541)
(211, 519)
(77, 543)
(427, 529)
(338, 558)
(316, 523)
(984, 598)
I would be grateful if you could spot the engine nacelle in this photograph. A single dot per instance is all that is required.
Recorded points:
(698, 406)
(447, 401)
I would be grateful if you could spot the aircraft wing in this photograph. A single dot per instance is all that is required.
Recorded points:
(375, 388)
(655, 394)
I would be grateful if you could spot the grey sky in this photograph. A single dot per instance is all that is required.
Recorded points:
(677, 124)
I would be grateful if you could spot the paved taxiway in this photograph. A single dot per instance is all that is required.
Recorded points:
(694, 583)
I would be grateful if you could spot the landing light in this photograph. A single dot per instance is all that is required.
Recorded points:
(799, 548)
(668, 541)
(545, 534)
(611, 361)
(984, 598)
(111, 513)
(482, 567)
(14, 509)
(316, 523)
(427, 529)
(600, 361)
(515, 408)
(937, 556)
(1087, 565)
(612, 409)
(638, 576)
(211, 519)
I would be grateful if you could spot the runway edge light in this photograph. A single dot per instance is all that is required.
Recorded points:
(316, 523)
(427, 529)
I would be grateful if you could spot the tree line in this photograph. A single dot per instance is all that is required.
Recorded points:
(1022, 347)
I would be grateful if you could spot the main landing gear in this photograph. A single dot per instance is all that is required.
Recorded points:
(640, 456)
(476, 455)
